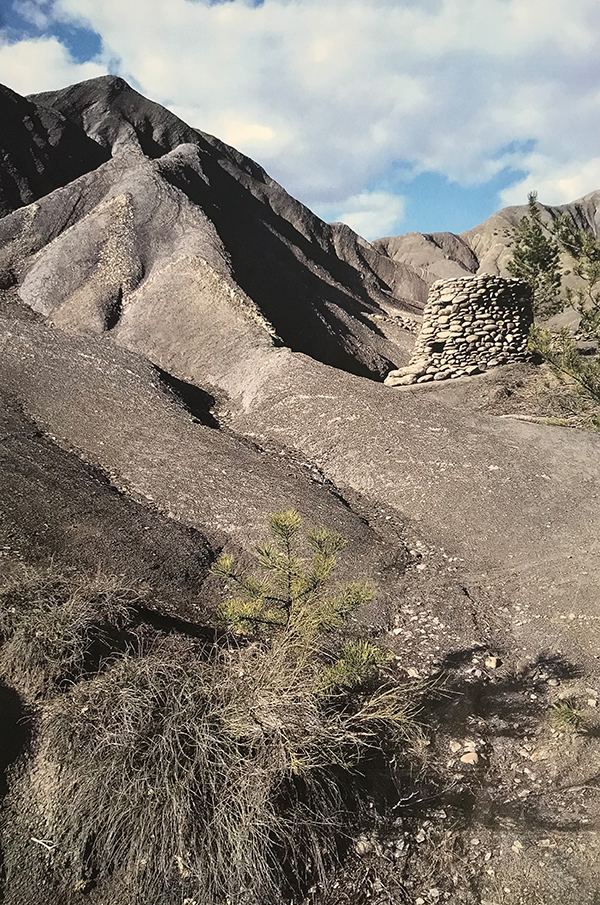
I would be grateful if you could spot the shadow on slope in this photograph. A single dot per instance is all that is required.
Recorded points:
(198, 402)
(40, 151)
(311, 297)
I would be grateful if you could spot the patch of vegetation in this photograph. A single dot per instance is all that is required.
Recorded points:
(557, 422)
(536, 254)
(54, 627)
(584, 250)
(581, 373)
(206, 772)
(541, 395)
(536, 260)
(290, 601)
(565, 716)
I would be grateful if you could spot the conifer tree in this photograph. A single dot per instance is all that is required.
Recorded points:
(584, 249)
(291, 603)
(559, 350)
(535, 260)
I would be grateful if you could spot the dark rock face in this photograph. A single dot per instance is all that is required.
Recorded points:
(40, 150)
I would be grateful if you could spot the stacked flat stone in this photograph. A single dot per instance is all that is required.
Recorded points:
(408, 323)
(470, 324)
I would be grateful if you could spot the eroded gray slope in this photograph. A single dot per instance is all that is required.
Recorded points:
(100, 254)
(58, 510)
(435, 256)
(516, 502)
(113, 409)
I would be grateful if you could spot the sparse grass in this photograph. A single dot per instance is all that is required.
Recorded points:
(556, 422)
(170, 768)
(544, 397)
(203, 772)
(53, 625)
(565, 716)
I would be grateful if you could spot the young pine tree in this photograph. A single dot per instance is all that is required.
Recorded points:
(559, 350)
(535, 260)
(584, 249)
(291, 602)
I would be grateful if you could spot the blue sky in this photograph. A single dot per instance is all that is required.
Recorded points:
(392, 115)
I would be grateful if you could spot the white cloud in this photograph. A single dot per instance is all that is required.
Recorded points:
(38, 65)
(556, 185)
(329, 94)
(370, 214)
(32, 12)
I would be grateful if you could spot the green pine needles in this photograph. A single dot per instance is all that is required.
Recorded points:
(357, 661)
(291, 605)
(170, 768)
(560, 351)
(536, 260)
(584, 250)
(537, 250)
(292, 593)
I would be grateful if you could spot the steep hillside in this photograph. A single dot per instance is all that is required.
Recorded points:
(180, 230)
(40, 150)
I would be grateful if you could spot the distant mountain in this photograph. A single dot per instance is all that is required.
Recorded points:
(483, 249)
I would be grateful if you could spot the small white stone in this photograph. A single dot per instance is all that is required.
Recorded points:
(492, 662)
(471, 757)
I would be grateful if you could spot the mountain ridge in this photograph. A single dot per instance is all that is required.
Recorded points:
(209, 202)
(486, 247)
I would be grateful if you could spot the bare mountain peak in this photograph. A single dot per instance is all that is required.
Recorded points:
(211, 264)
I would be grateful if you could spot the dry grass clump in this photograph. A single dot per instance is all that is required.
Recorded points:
(165, 769)
(54, 627)
(543, 396)
(205, 773)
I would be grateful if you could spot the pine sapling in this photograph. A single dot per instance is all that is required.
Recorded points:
(292, 594)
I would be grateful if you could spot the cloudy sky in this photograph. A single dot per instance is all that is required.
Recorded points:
(392, 115)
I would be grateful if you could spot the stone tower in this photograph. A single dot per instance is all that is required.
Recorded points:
(470, 324)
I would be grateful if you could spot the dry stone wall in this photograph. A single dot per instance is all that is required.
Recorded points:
(470, 324)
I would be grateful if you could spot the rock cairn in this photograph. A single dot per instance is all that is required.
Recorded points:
(470, 324)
